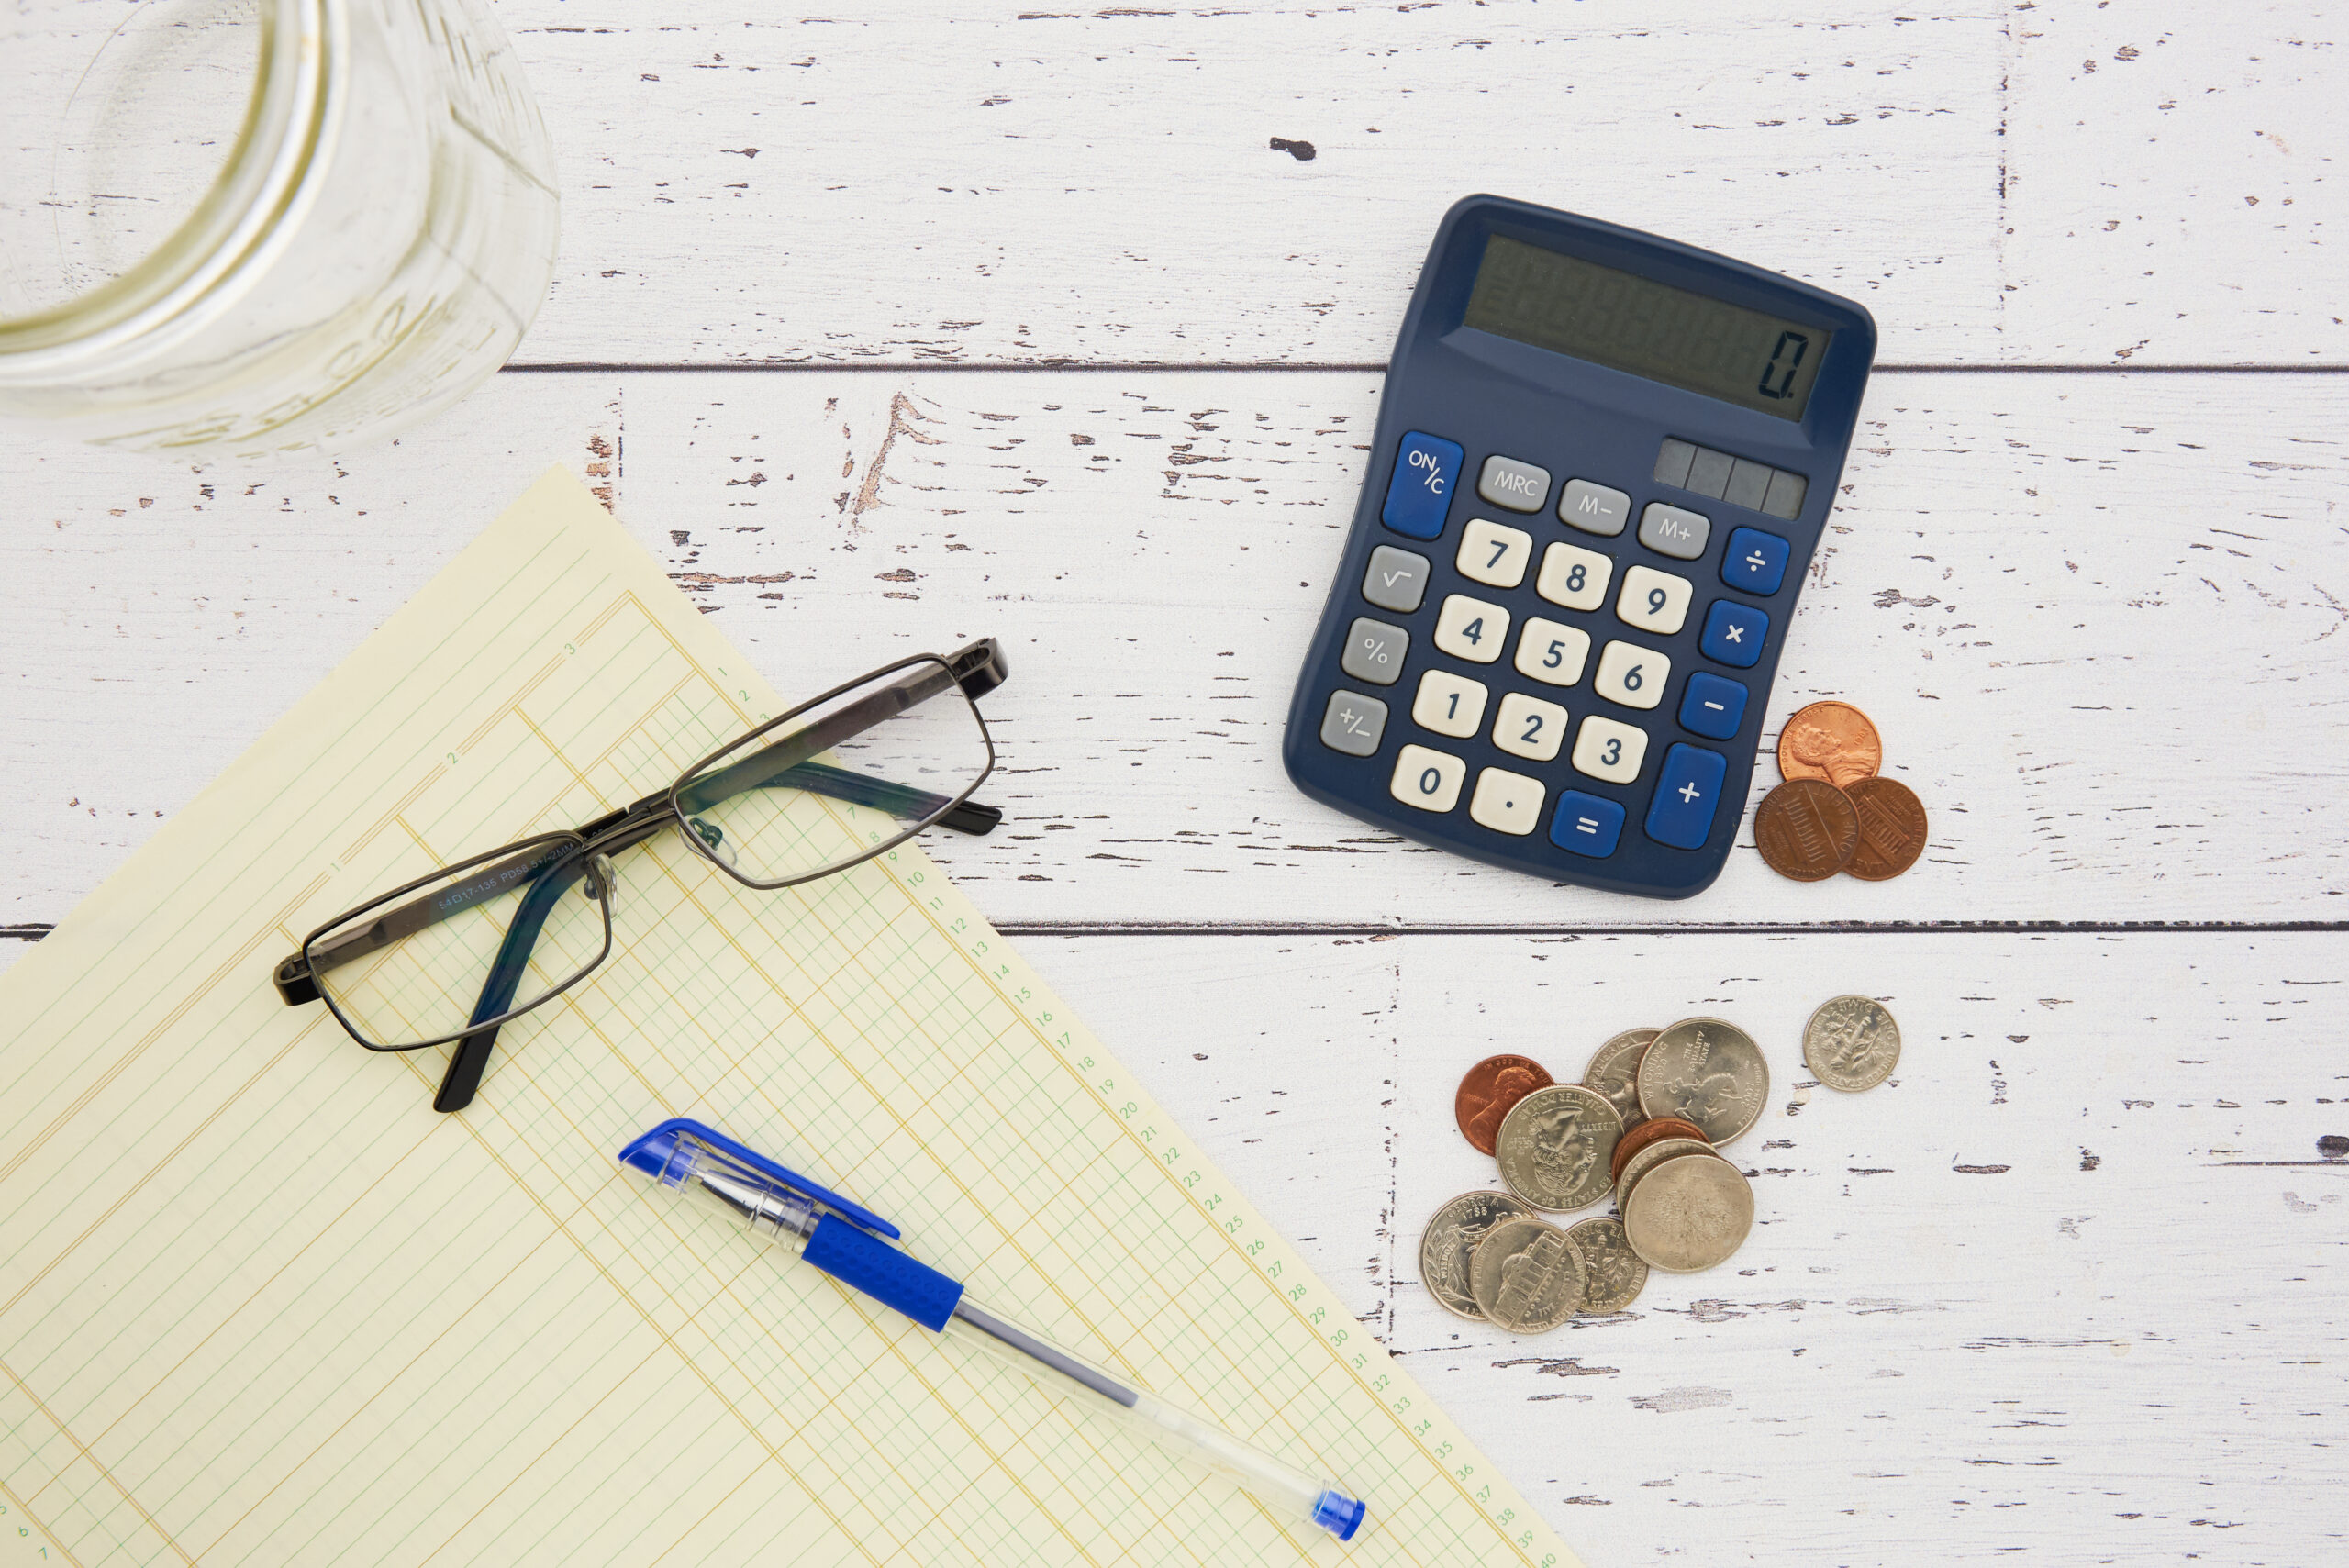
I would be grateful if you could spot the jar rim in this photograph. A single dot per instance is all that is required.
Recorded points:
(233, 230)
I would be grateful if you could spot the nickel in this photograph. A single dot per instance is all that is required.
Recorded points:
(1556, 1147)
(1615, 1072)
(1528, 1275)
(1488, 1091)
(1850, 1043)
(1707, 1072)
(1829, 741)
(1689, 1215)
(1805, 830)
(1613, 1275)
(1450, 1241)
(1891, 829)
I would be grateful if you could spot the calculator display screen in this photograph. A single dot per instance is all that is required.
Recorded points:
(1629, 323)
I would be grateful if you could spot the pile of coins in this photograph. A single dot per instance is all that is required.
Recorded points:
(1645, 1123)
(1833, 814)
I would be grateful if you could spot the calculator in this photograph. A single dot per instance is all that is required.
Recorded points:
(1603, 460)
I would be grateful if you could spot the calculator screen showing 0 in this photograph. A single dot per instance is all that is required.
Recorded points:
(1629, 323)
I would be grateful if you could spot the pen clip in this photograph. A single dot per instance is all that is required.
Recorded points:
(656, 1153)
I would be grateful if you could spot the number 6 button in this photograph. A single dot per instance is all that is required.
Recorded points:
(1632, 676)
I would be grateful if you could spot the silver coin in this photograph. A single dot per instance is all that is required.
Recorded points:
(1648, 1158)
(1449, 1240)
(1556, 1145)
(1709, 1071)
(1689, 1215)
(1615, 1072)
(1528, 1275)
(1850, 1043)
(1613, 1275)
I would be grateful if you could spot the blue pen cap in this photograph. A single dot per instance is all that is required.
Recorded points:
(682, 1149)
(1339, 1514)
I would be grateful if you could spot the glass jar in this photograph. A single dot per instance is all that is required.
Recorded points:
(245, 225)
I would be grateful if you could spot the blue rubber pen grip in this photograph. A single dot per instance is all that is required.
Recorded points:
(863, 1259)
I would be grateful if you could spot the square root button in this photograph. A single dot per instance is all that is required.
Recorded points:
(1586, 824)
(1687, 793)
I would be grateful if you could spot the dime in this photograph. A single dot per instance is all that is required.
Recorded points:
(1831, 740)
(1892, 829)
(1707, 1072)
(1647, 1132)
(1805, 830)
(1528, 1275)
(1613, 1275)
(1558, 1145)
(1688, 1215)
(1615, 1072)
(1648, 1158)
(1850, 1043)
(1449, 1240)
(1488, 1091)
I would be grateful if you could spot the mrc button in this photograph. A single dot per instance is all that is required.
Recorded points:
(1519, 486)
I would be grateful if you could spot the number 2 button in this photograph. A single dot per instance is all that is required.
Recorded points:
(1632, 676)
(1472, 630)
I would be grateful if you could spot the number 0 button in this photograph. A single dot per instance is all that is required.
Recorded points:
(1472, 630)
(1428, 779)
(1632, 676)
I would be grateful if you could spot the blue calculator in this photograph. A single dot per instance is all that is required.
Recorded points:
(1602, 463)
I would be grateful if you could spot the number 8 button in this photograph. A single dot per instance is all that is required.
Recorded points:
(1632, 676)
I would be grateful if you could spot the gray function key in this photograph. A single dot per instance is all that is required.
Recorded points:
(1594, 508)
(1669, 530)
(1519, 486)
(1396, 580)
(1374, 652)
(1352, 723)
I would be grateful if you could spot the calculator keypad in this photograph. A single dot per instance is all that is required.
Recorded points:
(1471, 628)
(1494, 554)
(1552, 651)
(1574, 578)
(1631, 675)
(1448, 704)
(1654, 601)
(1426, 778)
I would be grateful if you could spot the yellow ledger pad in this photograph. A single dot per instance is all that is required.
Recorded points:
(262, 1304)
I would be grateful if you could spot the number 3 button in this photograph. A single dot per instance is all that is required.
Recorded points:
(1608, 750)
(1632, 676)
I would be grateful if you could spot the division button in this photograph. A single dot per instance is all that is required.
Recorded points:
(1733, 634)
(1586, 824)
(1712, 707)
(1519, 486)
(1419, 496)
(1396, 580)
(1594, 508)
(1686, 791)
(1352, 723)
(1754, 562)
(1674, 531)
(1428, 779)
(1374, 652)
(1507, 802)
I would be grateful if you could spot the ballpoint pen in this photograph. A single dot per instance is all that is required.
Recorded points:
(853, 1245)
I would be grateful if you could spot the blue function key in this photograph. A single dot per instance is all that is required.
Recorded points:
(1681, 814)
(1733, 634)
(1417, 497)
(1755, 562)
(1713, 705)
(1586, 824)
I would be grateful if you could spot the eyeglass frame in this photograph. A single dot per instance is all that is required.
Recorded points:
(976, 669)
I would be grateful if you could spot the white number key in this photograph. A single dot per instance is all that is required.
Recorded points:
(1632, 676)
(1654, 601)
(1608, 750)
(1529, 728)
(1471, 629)
(1492, 553)
(1448, 704)
(1574, 576)
(1506, 802)
(1429, 780)
(1552, 652)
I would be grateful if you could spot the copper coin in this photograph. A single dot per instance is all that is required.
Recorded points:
(1648, 1132)
(1490, 1088)
(1829, 741)
(1805, 830)
(1892, 828)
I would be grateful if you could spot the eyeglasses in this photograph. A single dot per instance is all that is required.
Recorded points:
(452, 957)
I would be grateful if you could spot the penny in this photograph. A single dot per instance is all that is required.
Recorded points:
(1488, 1090)
(1805, 830)
(1850, 1043)
(1647, 1132)
(1557, 1147)
(1528, 1275)
(1829, 741)
(1892, 829)
(1613, 1275)
(1707, 1072)
(1449, 1240)
(1648, 1158)
(1689, 1215)
(1614, 1072)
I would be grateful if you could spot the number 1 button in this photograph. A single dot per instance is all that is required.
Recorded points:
(1632, 676)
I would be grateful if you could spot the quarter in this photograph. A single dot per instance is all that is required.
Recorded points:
(1707, 1072)
(1528, 1275)
(1850, 1043)
(1892, 829)
(1613, 1275)
(1805, 830)
(1488, 1090)
(1829, 741)
(1648, 1158)
(1614, 1072)
(1449, 1240)
(1689, 1215)
(1556, 1148)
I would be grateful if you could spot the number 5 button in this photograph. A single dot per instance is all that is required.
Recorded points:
(1632, 676)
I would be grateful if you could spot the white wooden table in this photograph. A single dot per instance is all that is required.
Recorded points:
(898, 326)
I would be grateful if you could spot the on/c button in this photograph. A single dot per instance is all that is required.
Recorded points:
(1420, 495)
